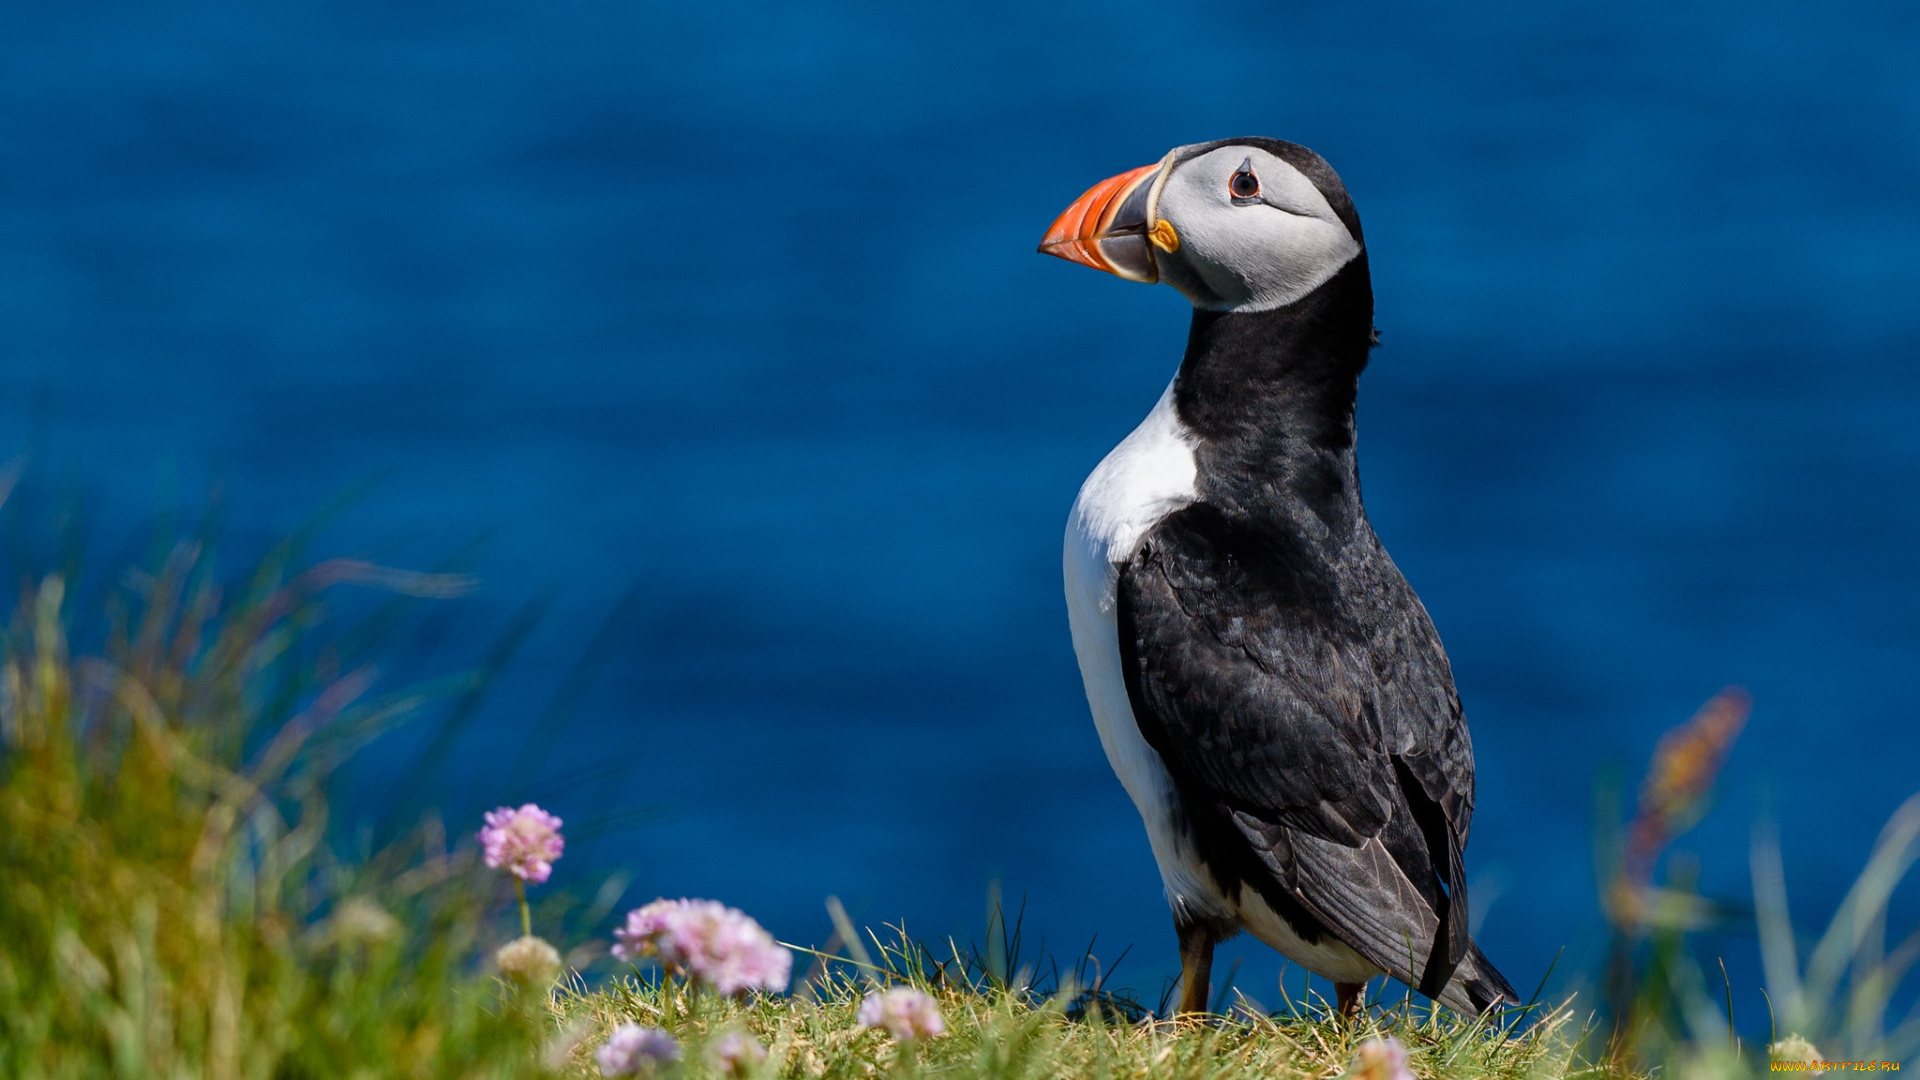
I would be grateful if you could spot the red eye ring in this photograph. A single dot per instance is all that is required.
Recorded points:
(1244, 185)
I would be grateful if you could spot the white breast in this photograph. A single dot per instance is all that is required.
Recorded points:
(1148, 476)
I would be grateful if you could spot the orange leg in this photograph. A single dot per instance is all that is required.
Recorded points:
(1196, 966)
(1350, 996)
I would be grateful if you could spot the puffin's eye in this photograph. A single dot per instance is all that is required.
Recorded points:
(1244, 185)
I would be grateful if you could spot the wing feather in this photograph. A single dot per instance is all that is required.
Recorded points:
(1327, 729)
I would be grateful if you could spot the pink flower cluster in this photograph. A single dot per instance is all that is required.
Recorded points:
(633, 1050)
(1381, 1059)
(904, 1011)
(708, 942)
(523, 842)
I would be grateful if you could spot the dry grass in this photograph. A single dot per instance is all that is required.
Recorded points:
(1008, 1034)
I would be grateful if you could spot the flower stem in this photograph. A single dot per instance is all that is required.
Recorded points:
(526, 917)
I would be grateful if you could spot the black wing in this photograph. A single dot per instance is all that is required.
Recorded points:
(1312, 710)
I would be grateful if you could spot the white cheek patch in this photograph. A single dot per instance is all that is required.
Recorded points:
(1258, 255)
(1278, 262)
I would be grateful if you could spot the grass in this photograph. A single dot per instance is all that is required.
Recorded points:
(1009, 1034)
(177, 902)
(173, 907)
(1004, 1022)
(1662, 1000)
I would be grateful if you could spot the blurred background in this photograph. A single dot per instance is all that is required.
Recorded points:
(714, 336)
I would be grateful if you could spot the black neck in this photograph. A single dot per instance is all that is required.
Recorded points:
(1271, 395)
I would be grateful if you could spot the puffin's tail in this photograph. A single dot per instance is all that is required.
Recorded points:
(1477, 986)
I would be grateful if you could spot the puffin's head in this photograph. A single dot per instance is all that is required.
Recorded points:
(1235, 225)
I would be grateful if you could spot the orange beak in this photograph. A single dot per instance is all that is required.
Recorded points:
(1107, 227)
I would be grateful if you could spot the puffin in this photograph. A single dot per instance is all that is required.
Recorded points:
(1266, 685)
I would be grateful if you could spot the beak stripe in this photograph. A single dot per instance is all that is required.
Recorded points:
(1077, 233)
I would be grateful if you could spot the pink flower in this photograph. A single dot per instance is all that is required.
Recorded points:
(633, 1050)
(645, 926)
(708, 942)
(1381, 1059)
(736, 1053)
(904, 1011)
(523, 842)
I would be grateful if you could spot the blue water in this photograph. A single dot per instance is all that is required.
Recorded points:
(737, 305)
